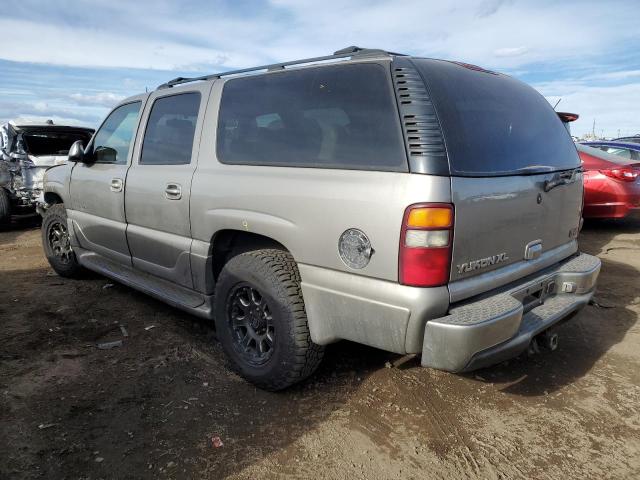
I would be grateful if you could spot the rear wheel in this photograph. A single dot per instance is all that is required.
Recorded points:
(56, 243)
(261, 320)
(5, 207)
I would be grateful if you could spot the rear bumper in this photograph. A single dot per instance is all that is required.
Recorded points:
(501, 326)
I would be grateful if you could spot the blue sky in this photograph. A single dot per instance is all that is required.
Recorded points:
(71, 60)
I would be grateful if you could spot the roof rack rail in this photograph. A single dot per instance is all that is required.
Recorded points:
(352, 51)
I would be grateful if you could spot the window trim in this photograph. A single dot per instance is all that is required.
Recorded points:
(146, 125)
(90, 146)
(385, 65)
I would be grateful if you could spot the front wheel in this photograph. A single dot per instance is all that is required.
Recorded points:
(261, 320)
(56, 243)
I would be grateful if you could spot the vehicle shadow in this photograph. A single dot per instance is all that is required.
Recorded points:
(586, 338)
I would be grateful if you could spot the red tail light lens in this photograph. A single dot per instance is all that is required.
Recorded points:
(425, 245)
(624, 174)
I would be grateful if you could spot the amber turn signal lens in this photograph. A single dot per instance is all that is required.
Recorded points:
(430, 217)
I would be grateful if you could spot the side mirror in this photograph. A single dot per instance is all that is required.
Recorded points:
(76, 152)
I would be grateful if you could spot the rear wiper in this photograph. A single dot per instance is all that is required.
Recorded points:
(533, 169)
(562, 178)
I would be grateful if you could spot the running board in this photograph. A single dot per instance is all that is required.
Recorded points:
(177, 296)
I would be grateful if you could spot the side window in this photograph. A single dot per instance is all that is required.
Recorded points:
(341, 116)
(113, 140)
(168, 138)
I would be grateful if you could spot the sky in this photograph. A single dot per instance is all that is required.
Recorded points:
(72, 60)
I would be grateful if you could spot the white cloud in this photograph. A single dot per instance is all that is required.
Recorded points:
(614, 108)
(57, 120)
(619, 75)
(24, 41)
(104, 99)
(510, 51)
(517, 36)
(164, 36)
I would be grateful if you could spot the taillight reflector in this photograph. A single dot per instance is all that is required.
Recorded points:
(425, 245)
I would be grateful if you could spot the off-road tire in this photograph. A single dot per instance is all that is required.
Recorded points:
(57, 214)
(5, 207)
(274, 274)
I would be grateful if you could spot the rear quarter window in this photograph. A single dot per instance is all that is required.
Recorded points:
(493, 124)
(341, 116)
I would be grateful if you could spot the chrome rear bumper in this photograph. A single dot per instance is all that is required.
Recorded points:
(502, 325)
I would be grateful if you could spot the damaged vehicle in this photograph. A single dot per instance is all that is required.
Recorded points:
(27, 150)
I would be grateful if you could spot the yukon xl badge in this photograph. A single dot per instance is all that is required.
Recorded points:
(482, 263)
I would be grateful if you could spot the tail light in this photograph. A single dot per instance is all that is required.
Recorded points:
(624, 174)
(425, 245)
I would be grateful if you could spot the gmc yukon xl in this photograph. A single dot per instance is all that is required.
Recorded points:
(414, 205)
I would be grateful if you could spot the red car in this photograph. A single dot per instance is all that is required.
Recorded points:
(611, 184)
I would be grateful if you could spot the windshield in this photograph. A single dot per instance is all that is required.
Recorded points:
(53, 143)
(495, 125)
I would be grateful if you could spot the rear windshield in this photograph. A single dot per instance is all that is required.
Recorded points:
(324, 117)
(53, 143)
(494, 124)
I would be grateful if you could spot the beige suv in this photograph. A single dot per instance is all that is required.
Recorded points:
(411, 204)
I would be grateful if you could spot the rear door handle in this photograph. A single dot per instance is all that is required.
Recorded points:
(116, 185)
(173, 191)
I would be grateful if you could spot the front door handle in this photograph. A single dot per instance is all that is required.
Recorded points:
(116, 185)
(173, 191)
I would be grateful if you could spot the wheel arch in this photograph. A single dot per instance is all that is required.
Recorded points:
(51, 198)
(209, 258)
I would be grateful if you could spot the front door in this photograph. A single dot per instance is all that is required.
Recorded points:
(97, 187)
(159, 184)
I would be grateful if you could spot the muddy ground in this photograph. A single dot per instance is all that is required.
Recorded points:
(150, 408)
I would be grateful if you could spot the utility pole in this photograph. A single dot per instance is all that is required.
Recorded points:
(593, 129)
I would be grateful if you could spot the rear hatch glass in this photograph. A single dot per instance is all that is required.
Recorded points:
(506, 146)
(493, 124)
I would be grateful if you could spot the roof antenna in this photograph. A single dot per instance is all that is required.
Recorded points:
(559, 100)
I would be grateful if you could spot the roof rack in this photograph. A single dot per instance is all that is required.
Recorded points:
(352, 51)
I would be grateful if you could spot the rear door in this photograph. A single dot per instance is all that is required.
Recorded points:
(159, 183)
(515, 177)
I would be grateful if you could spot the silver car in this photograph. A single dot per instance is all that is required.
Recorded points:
(410, 204)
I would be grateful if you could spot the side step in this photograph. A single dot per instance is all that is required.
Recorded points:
(177, 296)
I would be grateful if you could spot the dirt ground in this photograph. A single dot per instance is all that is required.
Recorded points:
(150, 408)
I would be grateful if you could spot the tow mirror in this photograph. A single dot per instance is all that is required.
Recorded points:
(76, 152)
